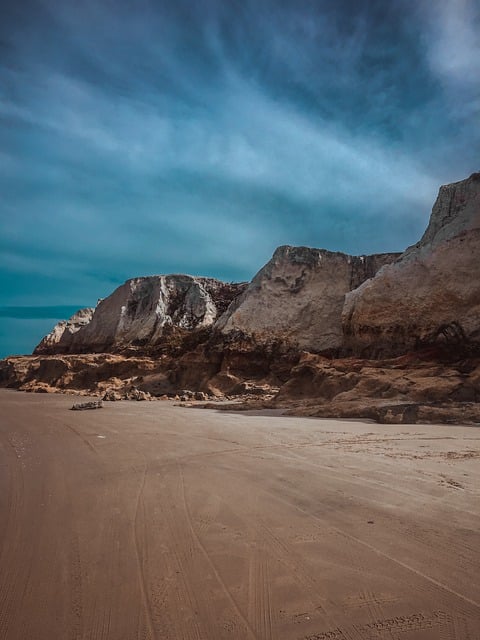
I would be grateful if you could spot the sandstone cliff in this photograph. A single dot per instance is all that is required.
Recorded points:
(139, 312)
(297, 297)
(432, 293)
(180, 336)
(60, 337)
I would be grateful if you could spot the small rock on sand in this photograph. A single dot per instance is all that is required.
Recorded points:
(81, 406)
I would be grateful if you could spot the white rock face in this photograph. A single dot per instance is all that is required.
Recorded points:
(312, 298)
(137, 313)
(456, 210)
(60, 338)
(298, 297)
(432, 292)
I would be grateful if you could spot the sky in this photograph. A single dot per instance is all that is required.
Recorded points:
(142, 137)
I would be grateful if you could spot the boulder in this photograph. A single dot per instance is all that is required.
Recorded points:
(112, 395)
(136, 394)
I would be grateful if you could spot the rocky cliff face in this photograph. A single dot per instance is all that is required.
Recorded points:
(141, 311)
(456, 210)
(432, 293)
(410, 321)
(297, 297)
(61, 336)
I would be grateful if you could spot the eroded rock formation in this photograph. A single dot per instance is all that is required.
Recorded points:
(298, 296)
(431, 294)
(407, 327)
(404, 390)
(60, 338)
(93, 373)
(138, 313)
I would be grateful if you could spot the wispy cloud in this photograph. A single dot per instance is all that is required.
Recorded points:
(453, 42)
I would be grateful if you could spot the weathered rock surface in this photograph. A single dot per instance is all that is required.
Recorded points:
(432, 293)
(224, 362)
(86, 374)
(456, 210)
(140, 312)
(408, 389)
(298, 297)
(60, 338)
(417, 387)
(407, 379)
(271, 343)
(84, 406)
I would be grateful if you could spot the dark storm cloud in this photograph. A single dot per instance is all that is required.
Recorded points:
(146, 137)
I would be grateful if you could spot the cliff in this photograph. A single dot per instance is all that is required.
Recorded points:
(142, 311)
(61, 336)
(407, 328)
(298, 296)
(431, 295)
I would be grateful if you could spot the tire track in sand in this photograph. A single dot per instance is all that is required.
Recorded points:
(290, 559)
(76, 598)
(10, 586)
(377, 551)
(178, 565)
(140, 519)
(259, 592)
(250, 631)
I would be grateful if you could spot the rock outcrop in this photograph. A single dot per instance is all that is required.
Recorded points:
(298, 296)
(140, 313)
(408, 389)
(60, 338)
(389, 337)
(83, 373)
(404, 390)
(431, 294)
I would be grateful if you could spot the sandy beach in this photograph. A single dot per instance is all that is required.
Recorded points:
(153, 521)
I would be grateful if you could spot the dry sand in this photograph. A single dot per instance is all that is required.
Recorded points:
(146, 520)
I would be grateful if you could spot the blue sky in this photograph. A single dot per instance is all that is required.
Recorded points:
(154, 137)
